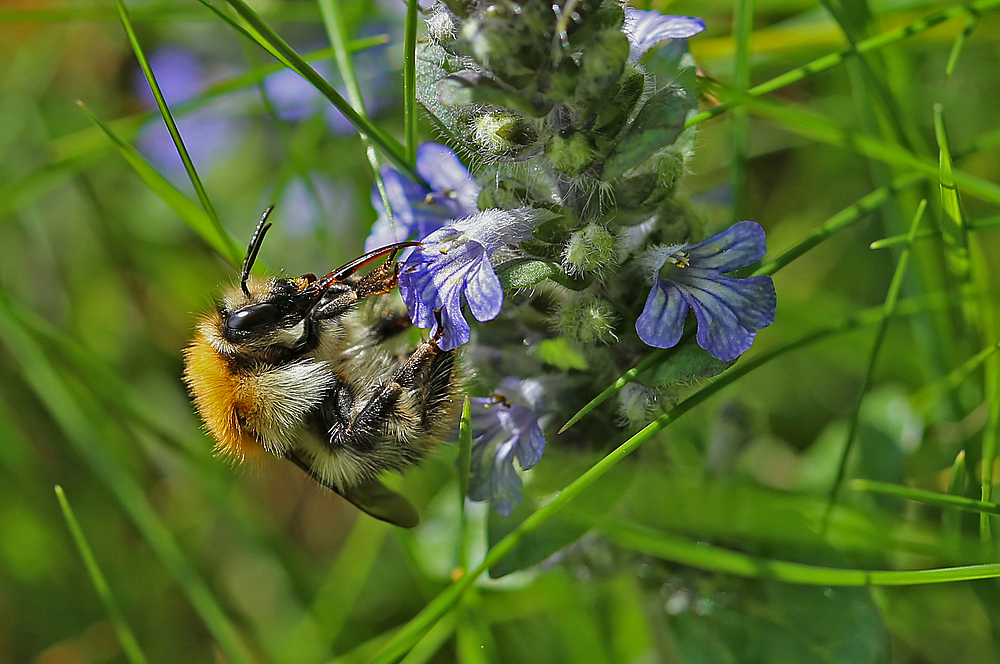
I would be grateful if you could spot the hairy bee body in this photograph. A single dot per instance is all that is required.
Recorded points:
(289, 367)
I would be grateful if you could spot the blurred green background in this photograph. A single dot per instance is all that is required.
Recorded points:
(100, 280)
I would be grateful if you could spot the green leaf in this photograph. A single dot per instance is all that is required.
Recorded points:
(658, 124)
(526, 272)
(559, 353)
(689, 361)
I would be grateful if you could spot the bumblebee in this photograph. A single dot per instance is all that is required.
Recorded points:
(289, 367)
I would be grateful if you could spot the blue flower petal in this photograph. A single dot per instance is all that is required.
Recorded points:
(445, 172)
(738, 246)
(646, 29)
(502, 431)
(484, 293)
(661, 322)
(729, 312)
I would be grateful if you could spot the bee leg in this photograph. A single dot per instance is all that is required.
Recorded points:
(363, 430)
(380, 280)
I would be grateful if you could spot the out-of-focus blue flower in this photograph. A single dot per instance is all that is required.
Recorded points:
(729, 310)
(418, 211)
(646, 29)
(296, 99)
(453, 264)
(503, 428)
(210, 132)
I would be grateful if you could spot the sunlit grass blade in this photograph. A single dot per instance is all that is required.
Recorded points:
(816, 127)
(432, 642)
(716, 559)
(927, 233)
(650, 360)
(888, 308)
(410, 81)
(951, 520)
(928, 497)
(195, 217)
(462, 468)
(743, 16)
(960, 41)
(50, 389)
(831, 60)
(168, 119)
(333, 17)
(265, 35)
(130, 646)
(404, 639)
(250, 33)
(923, 398)
(952, 219)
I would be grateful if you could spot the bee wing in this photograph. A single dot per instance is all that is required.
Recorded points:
(378, 500)
(371, 497)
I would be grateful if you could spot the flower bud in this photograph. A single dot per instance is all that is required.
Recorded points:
(571, 153)
(503, 134)
(588, 319)
(592, 248)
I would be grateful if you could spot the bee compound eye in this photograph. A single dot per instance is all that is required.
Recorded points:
(252, 317)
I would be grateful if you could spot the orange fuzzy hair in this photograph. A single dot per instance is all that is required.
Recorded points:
(218, 398)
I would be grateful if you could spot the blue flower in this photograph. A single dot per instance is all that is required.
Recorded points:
(416, 210)
(453, 264)
(729, 310)
(646, 29)
(503, 429)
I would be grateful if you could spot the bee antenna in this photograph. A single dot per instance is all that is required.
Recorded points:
(254, 249)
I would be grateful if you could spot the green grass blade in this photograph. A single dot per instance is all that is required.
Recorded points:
(823, 130)
(410, 81)
(831, 60)
(952, 220)
(923, 398)
(168, 118)
(56, 396)
(195, 217)
(432, 641)
(265, 35)
(333, 17)
(844, 219)
(650, 360)
(928, 497)
(960, 41)
(462, 468)
(888, 308)
(927, 233)
(715, 559)
(951, 520)
(404, 639)
(249, 33)
(130, 646)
